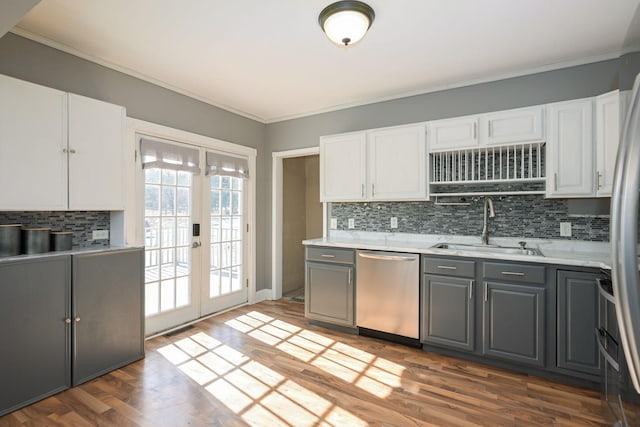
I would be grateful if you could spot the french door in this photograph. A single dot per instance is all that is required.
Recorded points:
(195, 245)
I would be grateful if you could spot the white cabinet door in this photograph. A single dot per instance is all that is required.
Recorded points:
(343, 167)
(512, 126)
(397, 163)
(607, 138)
(96, 162)
(570, 150)
(33, 140)
(448, 134)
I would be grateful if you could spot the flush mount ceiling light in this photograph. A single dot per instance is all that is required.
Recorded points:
(346, 22)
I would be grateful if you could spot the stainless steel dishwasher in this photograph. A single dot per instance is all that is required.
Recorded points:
(387, 295)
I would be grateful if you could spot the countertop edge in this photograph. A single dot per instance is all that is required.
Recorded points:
(556, 257)
(74, 251)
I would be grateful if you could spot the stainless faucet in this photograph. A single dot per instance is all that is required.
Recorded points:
(485, 226)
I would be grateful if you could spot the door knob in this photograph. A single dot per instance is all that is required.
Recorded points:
(196, 245)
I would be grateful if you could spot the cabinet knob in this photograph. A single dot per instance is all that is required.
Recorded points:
(77, 319)
(67, 321)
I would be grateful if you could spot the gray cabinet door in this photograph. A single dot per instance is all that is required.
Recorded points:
(514, 322)
(448, 312)
(329, 293)
(108, 296)
(34, 304)
(577, 320)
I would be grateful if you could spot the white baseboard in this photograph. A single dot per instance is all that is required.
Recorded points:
(264, 294)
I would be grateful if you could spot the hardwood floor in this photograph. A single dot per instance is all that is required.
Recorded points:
(264, 365)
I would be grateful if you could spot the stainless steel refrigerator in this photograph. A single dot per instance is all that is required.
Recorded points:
(625, 271)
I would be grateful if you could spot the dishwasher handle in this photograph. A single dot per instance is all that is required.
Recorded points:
(387, 257)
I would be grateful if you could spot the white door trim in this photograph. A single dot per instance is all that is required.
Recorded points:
(276, 215)
(133, 216)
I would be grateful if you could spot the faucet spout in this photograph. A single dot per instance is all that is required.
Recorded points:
(488, 204)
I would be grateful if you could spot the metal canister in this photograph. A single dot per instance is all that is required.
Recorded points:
(35, 240)
(61, 240)
(10, 239)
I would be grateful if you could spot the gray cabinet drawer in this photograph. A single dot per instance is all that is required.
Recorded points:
(514, 272)
(449, 267)
(343, 256)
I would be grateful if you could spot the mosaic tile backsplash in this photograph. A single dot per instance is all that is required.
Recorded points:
(529, 216)
(80, 223)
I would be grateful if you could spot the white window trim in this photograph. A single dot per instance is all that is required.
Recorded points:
(133, 215)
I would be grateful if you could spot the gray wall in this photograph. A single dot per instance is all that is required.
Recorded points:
(34, 62)
(31, 61)
(541, 88)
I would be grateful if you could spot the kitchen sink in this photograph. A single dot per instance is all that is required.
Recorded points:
(488, 249)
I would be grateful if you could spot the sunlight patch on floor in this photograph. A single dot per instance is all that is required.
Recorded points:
(258, 394)
(368, 372)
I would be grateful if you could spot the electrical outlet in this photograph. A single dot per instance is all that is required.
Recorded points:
(100, 234)
(565, 229)
(394, 222)
(352, 223)
(334, 224)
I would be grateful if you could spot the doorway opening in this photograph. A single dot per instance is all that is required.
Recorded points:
(302, 219)
(298, 214)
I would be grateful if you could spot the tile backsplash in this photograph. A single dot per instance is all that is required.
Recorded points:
(530, 216)
(82, 224)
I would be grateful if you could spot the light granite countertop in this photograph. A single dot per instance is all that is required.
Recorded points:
(561, 252)
(73, 251)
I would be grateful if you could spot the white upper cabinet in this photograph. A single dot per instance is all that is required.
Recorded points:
(570, 151)
(397, 163)
(513, 126)
(343, 167)
(59, 151)
(452, 134)
(380, 164)
(608, 125)
(33, 137)
(96, 157)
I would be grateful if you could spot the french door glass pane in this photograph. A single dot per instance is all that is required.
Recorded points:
(167, 240)
(225, 264)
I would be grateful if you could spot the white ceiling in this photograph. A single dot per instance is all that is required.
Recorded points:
(269, 60)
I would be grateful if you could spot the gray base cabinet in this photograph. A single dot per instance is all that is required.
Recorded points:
(514, 323)
(577, 320)
(108, 312)
(329, 289)
(34, 310)
(448, 312)
(67, 319)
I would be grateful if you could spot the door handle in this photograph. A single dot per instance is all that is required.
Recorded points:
(512, 273)
(447, 267)
(195, 245)
(386, 257)
(471, 282)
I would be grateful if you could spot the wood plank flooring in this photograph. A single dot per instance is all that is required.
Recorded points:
(264, 365)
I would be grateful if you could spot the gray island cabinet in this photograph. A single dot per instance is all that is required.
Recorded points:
(67, 318)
